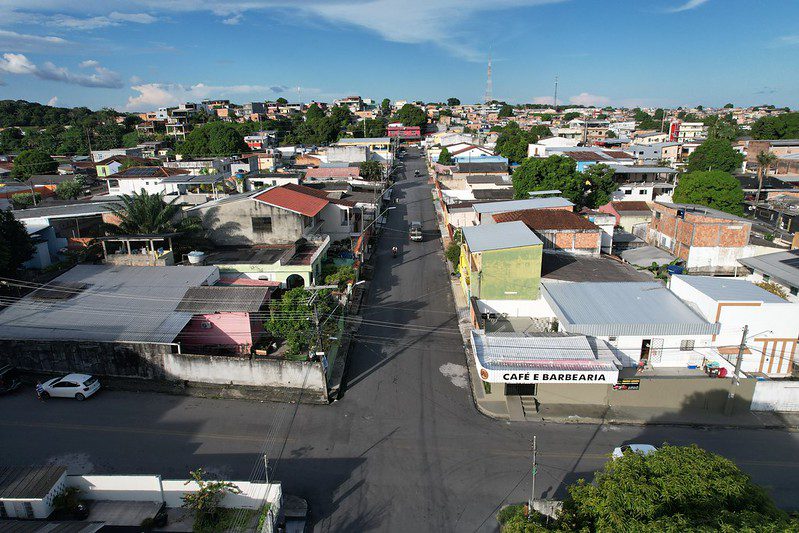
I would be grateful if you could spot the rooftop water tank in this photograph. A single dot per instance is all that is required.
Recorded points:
(196, 258)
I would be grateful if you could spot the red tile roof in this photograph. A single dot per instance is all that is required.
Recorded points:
(298, 202)
(319, 194)
(584, 155)
(334, 172)
(618, 154)
(544, 219)
(632, 205)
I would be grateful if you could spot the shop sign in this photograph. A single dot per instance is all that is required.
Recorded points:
(550, 376)
(627, 384)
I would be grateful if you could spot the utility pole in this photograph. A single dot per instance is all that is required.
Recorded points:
(556, 94)
(735, 379)
(532, 489)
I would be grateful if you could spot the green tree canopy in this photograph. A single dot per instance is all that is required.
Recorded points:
(145, 213)
(444, 157)
(371, 170)
(32, 162)
(513, 141)
(715, 154)
(714, 188)
(672, 489)
(16, 246)
(281, 101)
(314, 112)
(728, 106)
(785, 126)
(69, 190)
(453, 101)
(591, 188)
(214, 139)
(723, 127)
(505, 111)
(385, 107)
(568, 117)
(411, 115)
(293, 319)
(374, 127)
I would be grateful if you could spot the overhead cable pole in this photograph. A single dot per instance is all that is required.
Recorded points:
(532, 489)
(728, 407)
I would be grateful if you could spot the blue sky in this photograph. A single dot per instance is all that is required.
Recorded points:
(141, 54)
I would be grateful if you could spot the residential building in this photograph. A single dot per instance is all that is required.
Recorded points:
(29, 492)
(629, 215)
(399, 131)
(773, 323)
(681, 132)
(113, 164)
(501, 262)
(261, 139)
(558, 229)
(781, 268)
(708, 240)
(654, 153)
(195, 167)
(641, 321)
(137, 179)
(484, 210)
(377, 148)
(99, 155)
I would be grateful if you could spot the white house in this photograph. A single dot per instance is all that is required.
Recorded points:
(137, 179)
(773, 323)
(99, 155)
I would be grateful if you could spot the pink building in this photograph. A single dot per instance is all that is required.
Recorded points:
(224, 318)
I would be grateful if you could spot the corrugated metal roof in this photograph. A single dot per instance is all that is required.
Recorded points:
(543, 352)
(223, 299)
(520, 205)
(63, 211)
(29, 482)
(118, 303)
(623, 308)
(499, 236)
(729, 289)
(782, 266)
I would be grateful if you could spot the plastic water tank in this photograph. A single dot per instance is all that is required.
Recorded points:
(196, 258)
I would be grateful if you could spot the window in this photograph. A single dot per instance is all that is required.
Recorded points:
(687, 345)
(766, 277)
(612, 340)
(642, 191)
(113, 184)
(262, 224)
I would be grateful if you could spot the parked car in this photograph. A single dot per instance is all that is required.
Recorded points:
(416, 231)
(643, 449)
(78, 386)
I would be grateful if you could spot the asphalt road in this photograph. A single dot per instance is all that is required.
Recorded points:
(403, 450)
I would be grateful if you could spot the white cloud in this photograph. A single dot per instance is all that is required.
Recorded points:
(448, 24)
(154, 95)
(135, 79)
(787, 40)
(233, 20)
(589, 100)
(115, 18)
(687, 6)
(23, 42)
(20, 64)
(88, 63)
(544, 100)
(52, 101)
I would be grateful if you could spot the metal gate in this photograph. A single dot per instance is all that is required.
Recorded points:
(656, 350)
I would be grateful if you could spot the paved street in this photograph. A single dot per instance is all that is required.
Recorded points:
(403, 450)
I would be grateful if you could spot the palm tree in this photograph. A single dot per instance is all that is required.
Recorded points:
(764, 161)
(148, 214)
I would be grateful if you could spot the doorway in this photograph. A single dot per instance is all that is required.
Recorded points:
(520, 389)
(646, 349)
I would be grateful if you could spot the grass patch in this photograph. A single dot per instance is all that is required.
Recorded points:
(228, 520)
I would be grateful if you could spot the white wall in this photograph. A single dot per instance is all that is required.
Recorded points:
(118, 488)
(776, 396)
(526, 308)
(629, 350)
(253, 495)
(131, 185)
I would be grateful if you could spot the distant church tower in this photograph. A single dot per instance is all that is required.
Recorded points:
(489, 84)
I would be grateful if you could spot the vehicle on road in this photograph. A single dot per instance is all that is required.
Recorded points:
(78, 386)
(9, 381)
(415, 231)
(643, 449)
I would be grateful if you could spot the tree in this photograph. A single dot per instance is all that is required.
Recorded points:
(785, 126)
(314, 113)
(713, 188)
(281, 101)
(453, 102)
(24, 200)
(715, 154)
(411, 115)
(146, 214)
(765, 160)
(591, 188)
(371, 170)
(600, 185)
(672, 489)
(69, 190)
(453, 253)
(722, 127)
(645, 121)
(728, 106)
(385, 107)
(16, 246)
(445, 158)
(568, 117)
(214, 139)
(206, 499)
(32, 162)
(342, 276)
(505, 111)
(513, 141)
(292, 318)
(369, 127)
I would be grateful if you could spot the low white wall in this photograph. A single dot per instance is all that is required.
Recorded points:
(253, 495)
(225, 370)
(533, 308)
(776, 396)
(118, 488)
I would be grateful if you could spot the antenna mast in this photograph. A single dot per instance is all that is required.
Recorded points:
(555, 102)
(489, 84)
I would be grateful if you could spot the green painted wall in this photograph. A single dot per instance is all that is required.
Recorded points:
(513, 270)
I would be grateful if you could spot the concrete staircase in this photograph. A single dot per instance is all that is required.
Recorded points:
(528, 405)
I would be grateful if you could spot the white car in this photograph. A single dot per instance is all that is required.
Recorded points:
(78, 386)
(643, 449)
